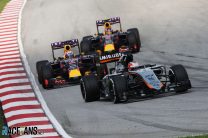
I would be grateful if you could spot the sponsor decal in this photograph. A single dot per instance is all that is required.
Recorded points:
(9, 131)
(111, 56)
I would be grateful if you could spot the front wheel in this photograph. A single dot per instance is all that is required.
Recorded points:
(119, 88)
(134, 39)
(179, 77)
(86, 45)
(89, 88)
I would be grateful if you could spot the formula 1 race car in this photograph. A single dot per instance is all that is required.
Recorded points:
(111, 44)
(65, 69)
(135, 81)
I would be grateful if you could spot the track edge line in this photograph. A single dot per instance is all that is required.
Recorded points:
(47, 111)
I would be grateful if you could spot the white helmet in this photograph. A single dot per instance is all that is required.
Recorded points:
(132, 65)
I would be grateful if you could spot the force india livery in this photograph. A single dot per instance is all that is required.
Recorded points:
(128, 79)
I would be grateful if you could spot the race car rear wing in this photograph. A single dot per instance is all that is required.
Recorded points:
(61, 44)
(112, 21)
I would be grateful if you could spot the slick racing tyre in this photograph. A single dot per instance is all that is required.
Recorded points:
(89, 88)
(47, 75)
(85, 45)
(87, 37)
(119, 88)
(179, 77)
(39, 65)
(134, 39)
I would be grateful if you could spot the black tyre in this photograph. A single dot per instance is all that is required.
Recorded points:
(134, 41)
(39, 64)
(119, 87)
(86, 46)
(179, 77)
(87, 37)
(89, 88)
(47, 75)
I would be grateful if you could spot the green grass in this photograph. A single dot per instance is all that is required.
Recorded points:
(2, 4)
(200, 136)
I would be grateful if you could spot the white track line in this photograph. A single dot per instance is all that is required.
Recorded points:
(9, 49)
(9, 23)
(11, 56)
(5, 19)
(8, 46)
(15, 88)
(20, 103)
(9, 33)
(11, 64)
(8, 30)
(10, 123)
(25, 111)
(8, 53)
(9, 26)
(5, 62)
(10, 60)
(11, 69)
(12, 75)
(8, 39)
(51, 117)
(9, 42)
(8, 36)
(13, 81)
(18, 95)
(9, 14)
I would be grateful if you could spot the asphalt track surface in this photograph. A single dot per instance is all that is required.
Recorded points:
(172, 32)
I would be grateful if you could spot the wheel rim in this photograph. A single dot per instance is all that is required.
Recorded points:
(115, 98)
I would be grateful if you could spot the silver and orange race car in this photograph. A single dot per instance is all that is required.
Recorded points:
(130, 80)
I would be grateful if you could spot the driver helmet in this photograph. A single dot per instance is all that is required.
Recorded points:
(132, 65)
(67, 48)
(108, 29)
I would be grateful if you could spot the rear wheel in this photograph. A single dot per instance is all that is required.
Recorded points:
(134, 39)
(89, 88)
(119, 88)
(179, 77)
(85, 45)
(39, 64)
(47, 75)
(87, 37)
